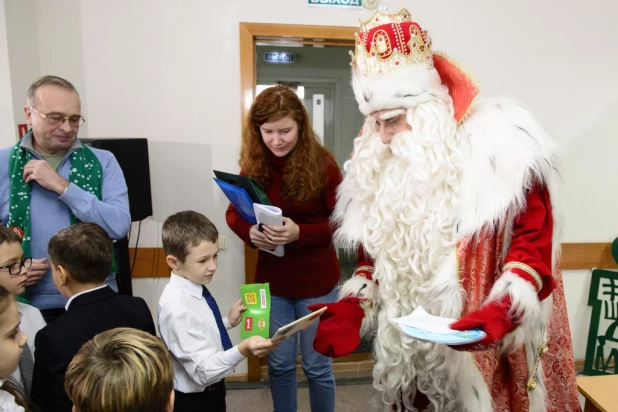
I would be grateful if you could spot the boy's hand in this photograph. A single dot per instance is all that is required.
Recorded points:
(235, 315)
(256, 345)
(282, 235)
(38, 269)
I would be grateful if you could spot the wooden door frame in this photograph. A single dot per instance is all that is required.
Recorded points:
(250, 34)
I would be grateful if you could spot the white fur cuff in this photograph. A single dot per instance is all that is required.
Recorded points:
(524, 298)
(359, 287)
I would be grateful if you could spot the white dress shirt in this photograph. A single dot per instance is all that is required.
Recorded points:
(189, 330)
(7, 402)
(31, 321)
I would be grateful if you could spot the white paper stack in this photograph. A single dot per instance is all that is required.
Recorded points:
(269, 215)
(423, 326)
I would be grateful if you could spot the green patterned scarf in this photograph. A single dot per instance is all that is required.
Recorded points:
(86, 172)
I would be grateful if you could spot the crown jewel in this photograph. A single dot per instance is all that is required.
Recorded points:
(389, 41)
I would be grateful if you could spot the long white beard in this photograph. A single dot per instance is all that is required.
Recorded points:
(406, 196)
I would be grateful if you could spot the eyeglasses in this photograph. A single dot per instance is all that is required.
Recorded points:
(56, 119)
(15, 268)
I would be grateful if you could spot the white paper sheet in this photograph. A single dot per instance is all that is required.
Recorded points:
(423, 326)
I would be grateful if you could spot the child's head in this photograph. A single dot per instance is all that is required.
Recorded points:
(80, 254)
(121, 370)
(191, 244)
(12, 340)
(13, 266)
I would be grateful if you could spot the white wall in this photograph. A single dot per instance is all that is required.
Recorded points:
(59, 34)
(22, 27)
(7, 127)
(169, 71)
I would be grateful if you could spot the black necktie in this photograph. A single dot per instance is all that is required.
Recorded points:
(26, 365)
(225, 338)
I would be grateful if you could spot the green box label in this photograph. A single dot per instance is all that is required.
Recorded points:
(256, 319)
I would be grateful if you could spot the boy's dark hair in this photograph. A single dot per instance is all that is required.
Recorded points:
(185, 230)
(8, 236)
(84, 250)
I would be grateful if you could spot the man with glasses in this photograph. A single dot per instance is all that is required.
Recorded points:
(49, 180)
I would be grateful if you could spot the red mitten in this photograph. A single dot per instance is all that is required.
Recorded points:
(339, 328)
(493, 318)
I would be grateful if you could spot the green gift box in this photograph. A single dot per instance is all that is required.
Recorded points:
(256, 319)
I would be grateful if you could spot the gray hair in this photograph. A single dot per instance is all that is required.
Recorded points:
(48, 81)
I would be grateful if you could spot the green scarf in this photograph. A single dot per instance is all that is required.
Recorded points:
(86, 172)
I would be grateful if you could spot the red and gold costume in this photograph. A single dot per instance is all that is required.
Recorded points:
(457, 215)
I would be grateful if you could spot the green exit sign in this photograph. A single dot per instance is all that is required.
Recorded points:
(353, 4)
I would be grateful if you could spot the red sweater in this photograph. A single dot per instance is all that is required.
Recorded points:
(309, 268)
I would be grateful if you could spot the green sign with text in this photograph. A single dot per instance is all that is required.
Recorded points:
(336, 3)
(602, 348)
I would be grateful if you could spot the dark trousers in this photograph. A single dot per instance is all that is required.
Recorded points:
(52, 314)
(212, 399)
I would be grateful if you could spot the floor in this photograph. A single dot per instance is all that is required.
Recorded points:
(352, 396)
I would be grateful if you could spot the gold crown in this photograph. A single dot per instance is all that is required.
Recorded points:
(387, 42)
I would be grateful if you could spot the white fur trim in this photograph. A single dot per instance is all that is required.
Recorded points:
(471, 387)
(525, 304)
(504, 149)
(348, 216)
(358, 287)
(532, 332)
(405, 87)
(363, 288)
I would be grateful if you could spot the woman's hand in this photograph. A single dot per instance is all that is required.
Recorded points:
(282, 235)
(259, 238)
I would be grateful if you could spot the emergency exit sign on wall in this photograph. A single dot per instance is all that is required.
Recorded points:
(348, 4)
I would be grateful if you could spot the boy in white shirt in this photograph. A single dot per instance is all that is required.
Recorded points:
(14, 277)
(190, 322)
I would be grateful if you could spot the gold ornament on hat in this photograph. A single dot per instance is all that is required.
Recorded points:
(390, 41)
(387, 42)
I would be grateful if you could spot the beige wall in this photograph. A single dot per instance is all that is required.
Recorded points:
(169, 71)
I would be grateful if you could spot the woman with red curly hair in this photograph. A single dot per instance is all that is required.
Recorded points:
(282, 152)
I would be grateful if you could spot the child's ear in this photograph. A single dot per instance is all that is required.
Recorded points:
(170, 402)
(172, 262)
(65, 276)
